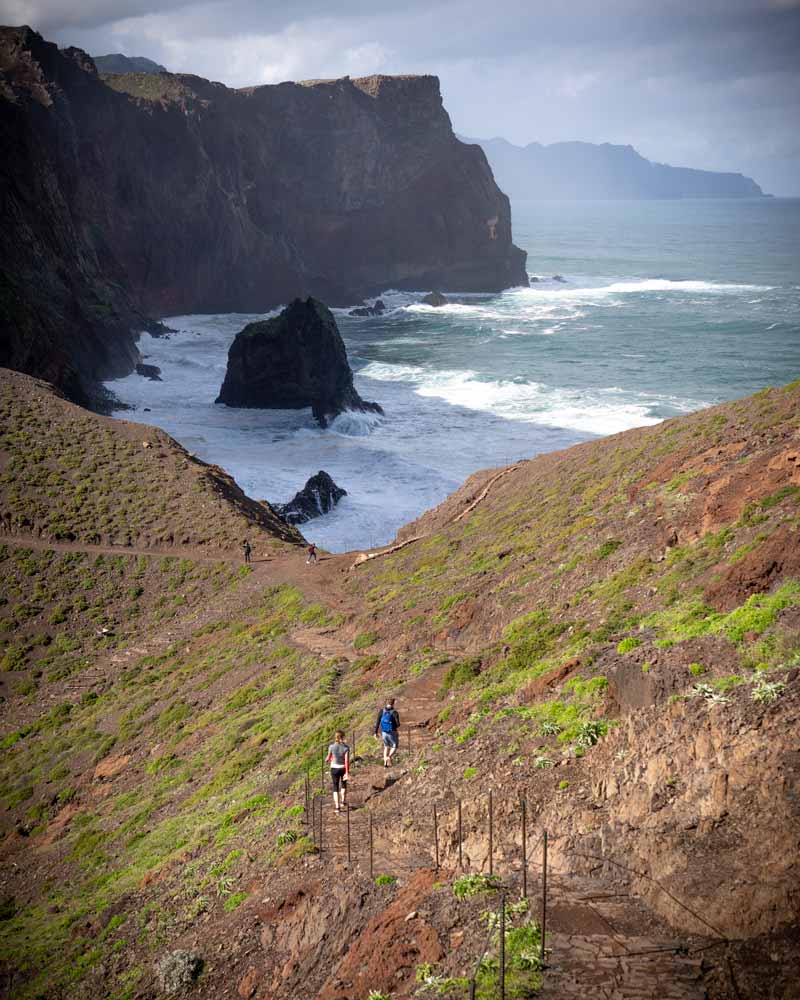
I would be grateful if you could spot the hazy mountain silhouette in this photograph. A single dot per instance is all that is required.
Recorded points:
(577, 170)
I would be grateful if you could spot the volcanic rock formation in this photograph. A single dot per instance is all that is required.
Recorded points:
(435, 299)
(294, 360)
(156, 194)
(318, 496)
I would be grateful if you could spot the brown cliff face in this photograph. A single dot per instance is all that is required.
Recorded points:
(165, 194)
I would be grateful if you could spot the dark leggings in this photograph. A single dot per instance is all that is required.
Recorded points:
(337, 778)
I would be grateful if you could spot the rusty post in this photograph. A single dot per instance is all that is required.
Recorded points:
(436, 836)
(502, 946)
(472, 989)
(321, 804)
(460, 859)
(322, 771)
(544, 895)
(371, 850)
(491, 834)
(347, 810)
(314, 820)
(524, 851)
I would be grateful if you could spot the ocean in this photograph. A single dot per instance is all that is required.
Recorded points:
(665, 307)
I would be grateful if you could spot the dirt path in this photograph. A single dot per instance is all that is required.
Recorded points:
(319, 582)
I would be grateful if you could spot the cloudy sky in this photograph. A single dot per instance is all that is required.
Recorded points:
(703, 83)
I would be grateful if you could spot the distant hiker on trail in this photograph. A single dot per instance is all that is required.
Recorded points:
(387, 724)
(312, 554)
(247, 550)
(339, 759)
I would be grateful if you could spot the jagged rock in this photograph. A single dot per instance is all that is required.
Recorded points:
(318, 496)
(294, 360)
(434, 299)
(377, 310)
(177, 970)
(558, 277)
(153, 372)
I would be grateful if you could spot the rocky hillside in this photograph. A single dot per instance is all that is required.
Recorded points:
(611, 632)
(156, 194)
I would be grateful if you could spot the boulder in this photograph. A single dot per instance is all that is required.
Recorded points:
(560, 278)
(294, 360)
(177, 970)
(434, 299)
(318, 496)
(153, 372)
(377, 310)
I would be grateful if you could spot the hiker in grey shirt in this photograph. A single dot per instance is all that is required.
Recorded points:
(339, 759)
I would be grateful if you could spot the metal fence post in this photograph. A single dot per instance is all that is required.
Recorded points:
(544, 895)
(314, 820)
(524, 852)
(460, 860)
(491, 834)
(371, 849)
(436, 835)
(322, 771)
(321, 803)
(354, 743)
(347, 810)
(502, 946)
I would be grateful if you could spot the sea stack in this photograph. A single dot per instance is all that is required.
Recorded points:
(294, 360)
(317, 497)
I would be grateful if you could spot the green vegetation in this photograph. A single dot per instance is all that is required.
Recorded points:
(385, 880)
(690, 619)
(766, 692)
(460, 673)
(470, 885)
(469, 772)
(626, 645)
(364, 639)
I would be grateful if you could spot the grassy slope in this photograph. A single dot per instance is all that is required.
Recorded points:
(617, 571)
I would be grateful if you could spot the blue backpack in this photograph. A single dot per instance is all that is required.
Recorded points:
(387, 721)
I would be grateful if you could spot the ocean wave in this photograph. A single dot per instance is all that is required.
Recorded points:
(354, 423)
(636, 288)
(596, 411)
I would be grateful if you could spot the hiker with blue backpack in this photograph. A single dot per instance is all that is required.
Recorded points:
(388, 724)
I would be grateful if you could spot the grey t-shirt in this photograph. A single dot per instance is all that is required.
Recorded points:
(337, 751)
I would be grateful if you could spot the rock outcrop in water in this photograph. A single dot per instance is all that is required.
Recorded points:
(317, 497)
(434, 299)
(378, 309)
(294, 360)
(157, 194)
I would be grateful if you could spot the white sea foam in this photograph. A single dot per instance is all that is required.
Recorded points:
(593, 411)
(353, 423)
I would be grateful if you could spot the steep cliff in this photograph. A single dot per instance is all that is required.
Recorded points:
(160, 194)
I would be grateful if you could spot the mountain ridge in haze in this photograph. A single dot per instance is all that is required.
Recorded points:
(585, 170)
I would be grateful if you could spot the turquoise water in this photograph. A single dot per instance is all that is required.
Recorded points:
(665, 307)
